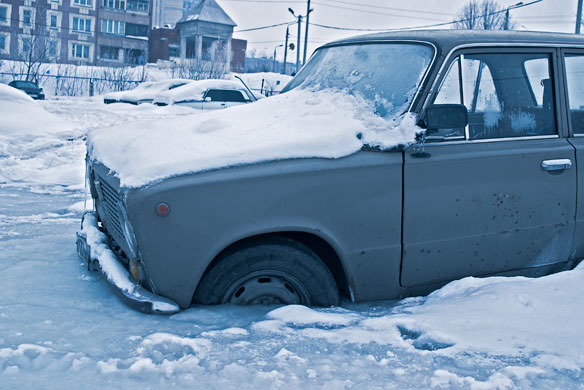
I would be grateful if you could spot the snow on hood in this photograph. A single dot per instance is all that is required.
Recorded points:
(195, 90)
(298, 124)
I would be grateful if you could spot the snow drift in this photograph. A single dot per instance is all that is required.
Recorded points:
(298, 124)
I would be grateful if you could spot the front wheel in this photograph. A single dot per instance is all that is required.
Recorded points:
(273, 271)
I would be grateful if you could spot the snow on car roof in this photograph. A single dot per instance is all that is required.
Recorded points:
(195, 90)
(298, 124)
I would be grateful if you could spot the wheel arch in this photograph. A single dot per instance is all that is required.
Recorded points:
(321, 247)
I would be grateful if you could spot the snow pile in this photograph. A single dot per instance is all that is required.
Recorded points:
(532, 320)
(35, 145)
(298, 124)
(22, 116)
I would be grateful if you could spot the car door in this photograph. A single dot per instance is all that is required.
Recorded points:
(573, 67)
(500, 194)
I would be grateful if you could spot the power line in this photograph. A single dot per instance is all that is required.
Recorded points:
(265, 27)
(389, 8)
(424, 26)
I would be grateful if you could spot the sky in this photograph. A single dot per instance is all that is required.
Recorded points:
(548, 15)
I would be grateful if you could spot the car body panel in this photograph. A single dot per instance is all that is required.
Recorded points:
(297, 195)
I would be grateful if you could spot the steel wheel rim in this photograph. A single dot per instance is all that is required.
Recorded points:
(268, 287)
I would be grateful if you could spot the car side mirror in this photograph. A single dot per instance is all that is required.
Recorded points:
(208, 99)
(445, 116)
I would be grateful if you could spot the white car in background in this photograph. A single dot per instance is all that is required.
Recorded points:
(145, 92)
(207, 95)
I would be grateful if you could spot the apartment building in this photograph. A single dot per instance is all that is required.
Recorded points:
(96, 32)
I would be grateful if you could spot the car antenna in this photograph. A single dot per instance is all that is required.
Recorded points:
(245, 85)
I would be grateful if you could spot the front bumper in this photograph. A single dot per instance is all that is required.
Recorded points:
(92, 247)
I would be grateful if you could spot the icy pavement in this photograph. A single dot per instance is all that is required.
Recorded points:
(61, 327)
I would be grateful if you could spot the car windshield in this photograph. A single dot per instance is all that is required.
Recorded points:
(387, 74)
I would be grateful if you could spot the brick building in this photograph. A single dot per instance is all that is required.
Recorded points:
(96, 32)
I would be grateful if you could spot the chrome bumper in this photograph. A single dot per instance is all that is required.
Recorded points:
(93, 249)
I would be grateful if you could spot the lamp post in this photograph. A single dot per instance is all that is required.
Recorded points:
(274, 65)
(298, 44)
(308, 11)
(507, 17)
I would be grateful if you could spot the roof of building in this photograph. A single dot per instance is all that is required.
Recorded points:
(448, 39)
(207, 11)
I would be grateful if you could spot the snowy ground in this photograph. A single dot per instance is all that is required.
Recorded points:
(62, 328)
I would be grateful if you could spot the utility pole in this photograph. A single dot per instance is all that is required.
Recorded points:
(506, 27)
(286, 50)
(274, 65)
(298, 48)
(579, 17)
(308, 11)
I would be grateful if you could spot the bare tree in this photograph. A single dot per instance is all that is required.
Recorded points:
(37, 44)
(483, 15)
(214, 66)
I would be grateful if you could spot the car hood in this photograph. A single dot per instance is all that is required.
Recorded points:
(298, 124)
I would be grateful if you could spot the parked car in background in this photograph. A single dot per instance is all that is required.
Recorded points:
(30, 88)
(145, 92)
(492, 186)
(207, 95)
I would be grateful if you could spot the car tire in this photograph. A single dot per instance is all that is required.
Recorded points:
(277, 270)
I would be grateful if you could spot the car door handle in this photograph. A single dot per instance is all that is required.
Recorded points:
(560, 164)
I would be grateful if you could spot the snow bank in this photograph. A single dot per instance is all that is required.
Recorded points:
(21, 115)
(516, 317)
(298, 124)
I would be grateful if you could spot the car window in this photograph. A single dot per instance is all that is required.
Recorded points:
(506, 94)
(216, 95)
(234, 96)
(575, 79)
(449, 93)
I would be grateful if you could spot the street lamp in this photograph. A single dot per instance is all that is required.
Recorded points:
(274, 65)
(506, 27)
(298, 44)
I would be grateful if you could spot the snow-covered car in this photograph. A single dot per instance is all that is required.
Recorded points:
(30, 88)
(207, 95)
(144, 92)
(390, 165)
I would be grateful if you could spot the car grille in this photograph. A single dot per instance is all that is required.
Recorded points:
(111, 202)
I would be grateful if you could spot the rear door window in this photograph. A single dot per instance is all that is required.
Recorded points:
(575, 80)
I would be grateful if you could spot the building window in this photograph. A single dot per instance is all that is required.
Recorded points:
(26, 17)
(109, 52)
(114, 4)
(81, 25)
(136, 30)
(3, 45)
(113, 27)
(80, 51)
(53, 22)
(84, 3)
(3, 15)
(53, 48)
(137, 5)
(26, 45)
(173, 51)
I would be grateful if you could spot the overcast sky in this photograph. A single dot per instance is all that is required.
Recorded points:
(549, 15)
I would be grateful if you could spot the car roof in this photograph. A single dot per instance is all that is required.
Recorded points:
(446, 40)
